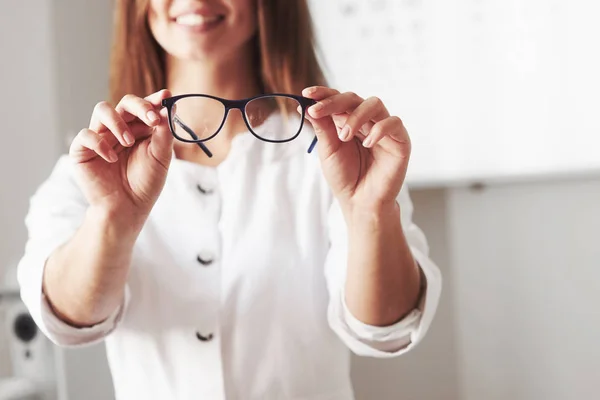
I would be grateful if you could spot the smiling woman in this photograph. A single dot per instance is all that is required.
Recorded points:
(276, 36)
(247, 273)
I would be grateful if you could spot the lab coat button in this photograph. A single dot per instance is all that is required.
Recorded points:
(204, 190)
(205, 259)
(203, 338)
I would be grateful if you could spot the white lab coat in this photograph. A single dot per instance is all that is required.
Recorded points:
(236, 283)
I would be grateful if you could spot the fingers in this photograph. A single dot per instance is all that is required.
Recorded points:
(390, 129)
(132, 107)
(148, 111)
(336, 104)
(324, 115)
(370, 110)
(340, 122)
(130, 119)
(89, 144)
(326, 133)
(318, 92)
(106, 118)
(354, 117)
(362, 114)
(156, 98)
(121, 120)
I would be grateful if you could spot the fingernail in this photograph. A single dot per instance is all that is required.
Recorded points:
(112, 156)
(153, 116)
(299, 109)
(344, 133)
(311, 90)
(128, 137)
(367, 142)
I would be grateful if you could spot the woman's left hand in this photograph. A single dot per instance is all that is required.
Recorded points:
(368, 174)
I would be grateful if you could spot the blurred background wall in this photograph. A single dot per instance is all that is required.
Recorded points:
(29, 118)
(519, 317)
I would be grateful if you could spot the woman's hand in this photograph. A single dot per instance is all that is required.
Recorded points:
(123, 157)
(364, 154)
(364, 151)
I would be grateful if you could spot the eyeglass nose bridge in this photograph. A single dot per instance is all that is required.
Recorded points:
(235, 104)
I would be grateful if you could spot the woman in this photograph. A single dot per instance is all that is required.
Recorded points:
(242, 275)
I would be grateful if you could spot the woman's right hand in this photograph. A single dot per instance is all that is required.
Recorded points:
(123, 157)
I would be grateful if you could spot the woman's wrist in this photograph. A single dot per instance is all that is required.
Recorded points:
(118, 226)
(371, 214)
(84, 279)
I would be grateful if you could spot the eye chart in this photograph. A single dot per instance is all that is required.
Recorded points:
(487, 89)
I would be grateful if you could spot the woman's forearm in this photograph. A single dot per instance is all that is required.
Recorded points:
(84, 279)
(383, 280)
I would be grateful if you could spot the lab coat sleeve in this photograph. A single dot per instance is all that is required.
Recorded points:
(373, 341)
(56, 211)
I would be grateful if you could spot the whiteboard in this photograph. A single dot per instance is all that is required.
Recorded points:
(488, 89)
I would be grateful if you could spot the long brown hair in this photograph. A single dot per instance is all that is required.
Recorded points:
(285, 50)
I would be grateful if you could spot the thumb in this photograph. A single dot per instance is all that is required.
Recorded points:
(161, 142)
(326, 132)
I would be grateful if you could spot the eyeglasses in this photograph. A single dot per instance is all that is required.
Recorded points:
(197, 118)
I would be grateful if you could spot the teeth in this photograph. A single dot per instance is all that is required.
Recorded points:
(195, 19)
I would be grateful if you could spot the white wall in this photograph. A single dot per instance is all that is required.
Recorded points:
(525, 261)
(83, 32)
(53, 69)
(29, 124)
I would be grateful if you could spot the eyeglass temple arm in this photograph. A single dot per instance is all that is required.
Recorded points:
(314, 141)
(312, 145)
(193, 135)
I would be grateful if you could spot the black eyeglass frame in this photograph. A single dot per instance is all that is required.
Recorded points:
(304, 102)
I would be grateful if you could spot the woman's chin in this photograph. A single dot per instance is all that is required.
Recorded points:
(196, 53)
